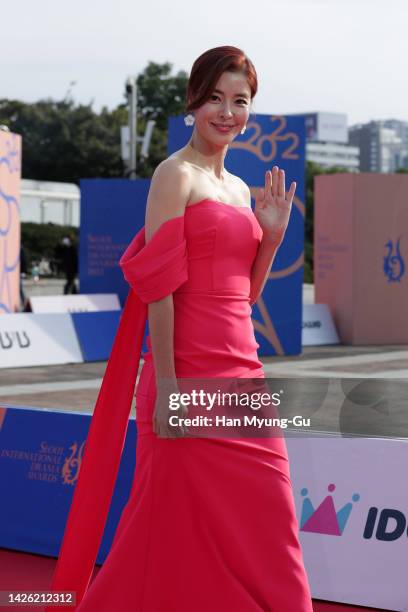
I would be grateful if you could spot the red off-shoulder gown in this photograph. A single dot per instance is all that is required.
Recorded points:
(210, 524)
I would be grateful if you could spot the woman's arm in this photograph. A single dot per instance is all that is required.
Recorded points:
(161, 331)
(168, 195)
(272, 209)
(262, 267)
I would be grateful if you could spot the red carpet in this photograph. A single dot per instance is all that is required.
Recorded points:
(27, 572)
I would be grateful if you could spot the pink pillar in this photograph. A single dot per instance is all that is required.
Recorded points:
(10, 178)
(361, 255)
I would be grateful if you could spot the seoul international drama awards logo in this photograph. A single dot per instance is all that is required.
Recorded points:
(72, 463)
(394, 266)
(325, 519)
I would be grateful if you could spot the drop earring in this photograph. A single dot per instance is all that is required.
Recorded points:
(243, 130)
(189, 119)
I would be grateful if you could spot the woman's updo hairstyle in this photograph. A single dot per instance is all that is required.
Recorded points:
(208, 68)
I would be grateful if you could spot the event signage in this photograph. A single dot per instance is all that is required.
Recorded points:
(38, 339)
(353, 517)
(112, 212)
(96, 332)
(349, 500)
(80, 302)
(317, 326)
(41, 453)
(361, 255)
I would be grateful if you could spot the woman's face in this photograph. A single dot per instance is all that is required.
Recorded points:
(226, 112)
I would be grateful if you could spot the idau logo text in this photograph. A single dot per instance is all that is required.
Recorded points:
(386, 525)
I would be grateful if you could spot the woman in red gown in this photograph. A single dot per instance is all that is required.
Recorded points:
(210, 523)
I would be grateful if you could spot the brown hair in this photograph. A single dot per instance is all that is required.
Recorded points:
(208, 68)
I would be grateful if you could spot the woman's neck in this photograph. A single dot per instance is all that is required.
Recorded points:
(211, 162)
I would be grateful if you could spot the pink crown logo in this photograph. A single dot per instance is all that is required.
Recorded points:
(325, 519)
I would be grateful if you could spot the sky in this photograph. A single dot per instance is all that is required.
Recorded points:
(345, 56)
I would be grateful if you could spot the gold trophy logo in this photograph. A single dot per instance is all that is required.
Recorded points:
(72, 464)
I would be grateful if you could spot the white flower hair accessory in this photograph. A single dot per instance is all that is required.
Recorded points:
(189, 119)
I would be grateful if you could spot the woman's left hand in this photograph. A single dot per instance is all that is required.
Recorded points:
(273, 205)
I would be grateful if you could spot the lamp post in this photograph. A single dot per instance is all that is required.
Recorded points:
(129, 137)
(131, 91)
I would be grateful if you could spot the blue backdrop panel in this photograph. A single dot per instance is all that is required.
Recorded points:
(40, 456)
(271, 140)
(96, 332)
(112, 212)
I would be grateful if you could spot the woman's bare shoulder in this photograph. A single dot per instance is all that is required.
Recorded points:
(169, 194)
(175, 165)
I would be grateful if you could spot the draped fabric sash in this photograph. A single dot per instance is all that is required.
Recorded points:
(153, 271)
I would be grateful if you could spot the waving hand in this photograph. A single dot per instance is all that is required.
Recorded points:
(273, 205)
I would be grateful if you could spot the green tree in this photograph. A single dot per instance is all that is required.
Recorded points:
(63, 141)
(66, 141)
(159, 96)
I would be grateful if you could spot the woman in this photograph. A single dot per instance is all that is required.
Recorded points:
(210, 523)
